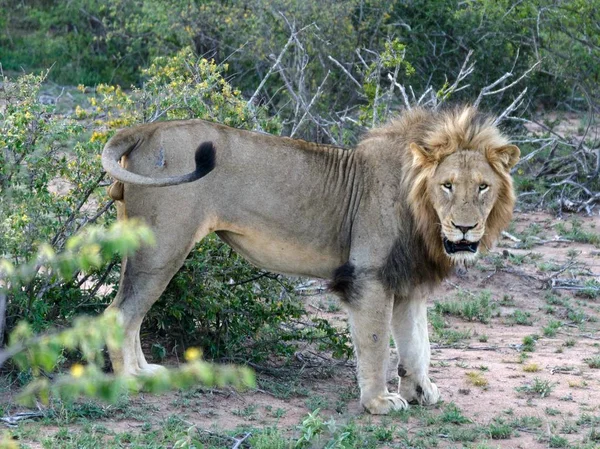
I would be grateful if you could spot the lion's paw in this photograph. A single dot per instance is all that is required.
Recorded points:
(146, 371)
(385, 403)
(151, 370)
(424, 392)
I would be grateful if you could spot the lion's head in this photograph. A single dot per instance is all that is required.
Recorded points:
(461, 191)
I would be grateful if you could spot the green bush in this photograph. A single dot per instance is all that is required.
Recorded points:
(49, 190)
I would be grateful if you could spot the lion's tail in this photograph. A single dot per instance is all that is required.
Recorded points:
(117, 147)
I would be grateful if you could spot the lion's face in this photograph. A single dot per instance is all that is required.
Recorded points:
(464, 188)
(463, 191)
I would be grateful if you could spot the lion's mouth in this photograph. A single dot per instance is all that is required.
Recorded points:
(462, 245)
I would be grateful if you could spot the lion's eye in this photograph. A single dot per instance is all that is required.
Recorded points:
(483, 187)
(447, 185)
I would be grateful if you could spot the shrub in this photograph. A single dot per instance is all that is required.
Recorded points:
(49, 179)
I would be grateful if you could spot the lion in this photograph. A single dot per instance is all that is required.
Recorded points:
(383, 222)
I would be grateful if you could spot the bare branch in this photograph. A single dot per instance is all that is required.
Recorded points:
(339, 64)
(402, 91)
(312, 101)
(274, 67)
(487, 90)
(514, 105)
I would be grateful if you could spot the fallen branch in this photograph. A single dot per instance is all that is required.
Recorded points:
(511, 237)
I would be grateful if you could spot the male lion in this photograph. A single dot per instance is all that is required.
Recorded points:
(383, 222)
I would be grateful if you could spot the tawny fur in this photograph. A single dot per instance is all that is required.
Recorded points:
(372, 219)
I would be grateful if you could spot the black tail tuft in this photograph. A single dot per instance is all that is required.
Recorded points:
(205, 159)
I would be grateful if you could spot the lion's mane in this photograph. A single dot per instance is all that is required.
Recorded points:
(441, 133)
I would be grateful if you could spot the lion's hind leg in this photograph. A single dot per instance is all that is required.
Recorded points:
(409, 327)
(139, 288)
(144, 277)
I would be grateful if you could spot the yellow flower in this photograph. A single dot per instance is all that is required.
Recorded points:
(79, 112)
(98, 136)
(77, 370)
(192, 354)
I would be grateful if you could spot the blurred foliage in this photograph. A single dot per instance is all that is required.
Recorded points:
(84, 252)
(40, 355)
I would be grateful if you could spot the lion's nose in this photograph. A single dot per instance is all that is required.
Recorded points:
(464, 229)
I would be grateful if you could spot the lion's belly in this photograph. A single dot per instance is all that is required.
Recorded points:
(281, 256)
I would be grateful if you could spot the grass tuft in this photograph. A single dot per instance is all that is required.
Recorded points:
(531, 368)
(476, 379)
(539, 387)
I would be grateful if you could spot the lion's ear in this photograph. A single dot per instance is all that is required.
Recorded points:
(422, 156)
(507, 156)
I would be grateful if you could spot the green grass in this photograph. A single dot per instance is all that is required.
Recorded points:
(498, 430)
(316, 401)
(442, 332)
(517, 259)
(314, 430)
(529, 236)
(585, 419)
(453, 415)
(556, 300)
(529, 342)
(551, 328)
(538, 387)
(521, 318)
(507, 301)
(463, 434)
(576, 233)
(590, 290)
(558, 441)
(569, 427)
(248, 412)
(548, 266)
(526, 423)
(593, 362)
(594, 436)
(469, 307)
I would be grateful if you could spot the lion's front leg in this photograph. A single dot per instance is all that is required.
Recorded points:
(370, 316)
(409, 326)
